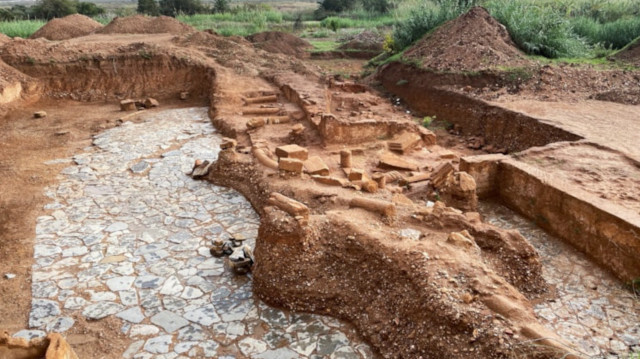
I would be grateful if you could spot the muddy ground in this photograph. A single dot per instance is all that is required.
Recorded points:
(373, 217)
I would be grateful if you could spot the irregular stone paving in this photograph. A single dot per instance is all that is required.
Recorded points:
(592, 308)
(128, 236)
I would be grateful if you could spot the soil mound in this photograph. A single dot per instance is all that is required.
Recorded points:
(68, 27)
(474, 41)
(4, 39)
(364, 41)
(139, 24)
(630, 54)
(280, 43)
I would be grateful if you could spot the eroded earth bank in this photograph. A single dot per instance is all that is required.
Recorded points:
(353, 209)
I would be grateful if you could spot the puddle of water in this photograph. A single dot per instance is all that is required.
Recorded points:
(592, 309)
(128, 237)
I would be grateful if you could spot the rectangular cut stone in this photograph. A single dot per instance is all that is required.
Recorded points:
(127, 105)
(440, 174)
(291, 206)
(391, 161)
(290, 164)
(292, 151)
(316, 166)
(356, 174)
(331, 181)
(405, 142)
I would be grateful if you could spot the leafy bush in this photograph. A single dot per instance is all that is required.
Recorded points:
(48, 9)
(337, 5)
(89, 9)
(538, 29)
(221, 6)
(148, 7)
(426, 17)
(175, 7)
(611, 35)
(377, 6)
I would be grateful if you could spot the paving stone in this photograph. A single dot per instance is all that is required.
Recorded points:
(101, 309)
(143, 330)
(133, 349)
(148, 281)
(74, 303)
(42, 312)
(140, 167)
(251, 347)
(60, 325)
(30, 334)
(117, 226)
(117, 284)
(209, 348)
(133, 315)
(191, 293)
(281, 353)
(158, 345)
(191, 333)
(75, 251)
(204, 315)
(169, 321)
(184, 347)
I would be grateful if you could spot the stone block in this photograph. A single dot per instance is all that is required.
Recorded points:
(150, 102)
(290, 165)
(292, 151)
(39, 114)
(127, 105)
(316, 166)
(329, 180)
(356, 174)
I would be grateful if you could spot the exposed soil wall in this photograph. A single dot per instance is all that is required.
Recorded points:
(610, 237)
(121, 76)
(504, 129)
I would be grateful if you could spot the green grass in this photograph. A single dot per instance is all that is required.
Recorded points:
(20, 28)
(367, 21)
(323, 45)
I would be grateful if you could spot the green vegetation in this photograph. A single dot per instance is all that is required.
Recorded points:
(324, 45)
(20, 28)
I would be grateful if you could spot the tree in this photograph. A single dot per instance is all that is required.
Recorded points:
(337, 5)
(176, 7)
(48, 9)
(377, 6)
(89, 9)
(221, 6)
(148, 7)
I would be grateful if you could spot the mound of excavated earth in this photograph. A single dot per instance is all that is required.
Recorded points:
(140, 24)
(472, 42)
(4, 39)
(630, 54)
(280, 43)
(364, 41)
(68, 27)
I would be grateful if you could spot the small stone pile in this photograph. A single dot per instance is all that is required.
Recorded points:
(240, 256)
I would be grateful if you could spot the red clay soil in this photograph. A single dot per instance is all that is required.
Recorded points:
(280, 43)
(474, 41)
(68, 27)
(4, 39)
(140, 24)
(12, 84)
(631, 54)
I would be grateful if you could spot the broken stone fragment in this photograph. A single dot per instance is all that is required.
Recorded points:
(228, 143)
(368, 185)
(329, 180)
(201, 169)
(449, 155)
(184, 95)
(128, 105)
(440, 174)
(274, 120)
(405, 142)
(389, 160)
(291, 206)
(254, 123)
(297, 129)
(262, 157)
(290, 165)
(292, 151)
(316, 166)
(462, 239)
(150, 102)
(39, 114)
(9, 275)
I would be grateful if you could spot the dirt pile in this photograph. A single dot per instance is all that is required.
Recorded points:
(68, 27)
(4, 39)
(472, 42)
(364, 41)
(139, 24)
(630, 54)
(280, 43)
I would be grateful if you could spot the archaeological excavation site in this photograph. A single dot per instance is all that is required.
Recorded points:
(174, 193)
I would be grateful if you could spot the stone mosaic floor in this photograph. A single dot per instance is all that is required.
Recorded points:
(127, 236)
(592, 309)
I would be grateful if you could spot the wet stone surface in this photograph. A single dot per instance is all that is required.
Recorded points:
(127, 237)
(592, 308)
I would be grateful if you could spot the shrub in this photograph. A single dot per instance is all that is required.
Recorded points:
(538, 29)
(48, 9)
(175, 7)
(89, 9)
(377, 6)
(337, 5)
(611, 35)
(426, 17)
(221, 6)
(148, 7)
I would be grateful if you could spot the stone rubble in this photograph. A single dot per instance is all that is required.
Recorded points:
(128, 237)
